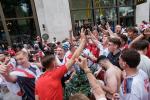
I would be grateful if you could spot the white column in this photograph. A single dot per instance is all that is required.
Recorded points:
(55, 14)
(142, 12)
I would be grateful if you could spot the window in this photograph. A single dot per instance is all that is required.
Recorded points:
(16, 8)
(104, 3)
(2, 33)
(126, 2)
(110, 14)
(126, 11)
(21, 30)
(20, 20)
(92, 11)
(80, 4)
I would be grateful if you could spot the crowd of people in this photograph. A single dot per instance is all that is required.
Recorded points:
(122, 59)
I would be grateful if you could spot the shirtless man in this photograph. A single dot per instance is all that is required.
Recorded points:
(112, 77)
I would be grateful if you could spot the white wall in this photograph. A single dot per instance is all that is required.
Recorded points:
(142, 12)
(55, 14)
(40, 13)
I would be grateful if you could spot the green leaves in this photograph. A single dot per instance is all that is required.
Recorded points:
(79, 84)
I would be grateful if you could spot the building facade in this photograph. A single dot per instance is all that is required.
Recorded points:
(22, 20)
(143, 11)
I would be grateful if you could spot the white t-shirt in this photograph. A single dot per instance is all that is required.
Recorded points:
(65, 59)
(103, 51)
(135, 87)
(33, 70)
(12, 64)
(145, 64)
(87, 52)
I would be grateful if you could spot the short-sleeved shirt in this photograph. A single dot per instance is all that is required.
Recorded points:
(135, 87)
(144, 64)
(26, 80)
(48, 86)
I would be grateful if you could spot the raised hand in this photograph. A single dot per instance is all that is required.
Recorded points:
(82, 34)
(107, 26)
(3, 69)
(82, 62)
(147, 32)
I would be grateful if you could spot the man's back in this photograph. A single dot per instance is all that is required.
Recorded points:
(145, 64)
(115, 73)
(48, 86)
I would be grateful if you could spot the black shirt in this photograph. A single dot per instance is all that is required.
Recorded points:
(114, 59)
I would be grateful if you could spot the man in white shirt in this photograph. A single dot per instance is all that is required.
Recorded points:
(23, 77)
(135, 85)
(142, 47)
(103, 47)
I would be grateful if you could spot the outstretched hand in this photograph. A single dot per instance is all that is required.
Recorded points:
(82, 34)
(82, 62)
(147, 32)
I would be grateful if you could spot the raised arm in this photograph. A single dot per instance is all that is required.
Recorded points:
(93, 38)
(70, 36)
(145, 34)
(78, 51)
(97, 90)
(140, 37)
(111, 33)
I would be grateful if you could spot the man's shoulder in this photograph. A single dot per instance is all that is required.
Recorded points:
(113, 71)
(144, 57)
(142, 73)
(34, 66)
(61, 67)
(139, 78)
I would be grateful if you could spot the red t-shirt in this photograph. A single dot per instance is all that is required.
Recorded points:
(148, 52)
(48, 86)
(94, 50)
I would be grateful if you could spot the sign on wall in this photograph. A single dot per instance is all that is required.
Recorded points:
(140, 1)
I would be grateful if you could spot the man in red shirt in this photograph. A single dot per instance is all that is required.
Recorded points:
(48, 86)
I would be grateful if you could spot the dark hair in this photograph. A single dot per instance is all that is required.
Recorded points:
(132, 29)
(102, 57)
(116, 41)
(140, 45)
(131, 57)
(47, 60)
(123, 37)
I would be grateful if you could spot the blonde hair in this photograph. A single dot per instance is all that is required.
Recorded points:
(22, 52)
